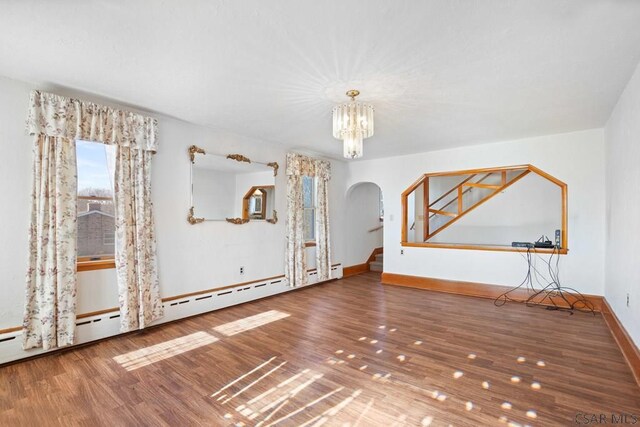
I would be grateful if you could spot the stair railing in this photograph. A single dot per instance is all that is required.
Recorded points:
(461, 211)
(442, 209)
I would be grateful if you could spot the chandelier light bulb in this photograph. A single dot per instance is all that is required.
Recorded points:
(352, 145)
(352, 123)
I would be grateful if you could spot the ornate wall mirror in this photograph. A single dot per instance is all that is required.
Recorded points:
(231, 188)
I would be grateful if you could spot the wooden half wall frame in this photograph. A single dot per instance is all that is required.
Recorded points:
(462, 188)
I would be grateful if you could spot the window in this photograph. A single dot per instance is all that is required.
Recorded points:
(309, 196)
(109, 238)
(96, 220)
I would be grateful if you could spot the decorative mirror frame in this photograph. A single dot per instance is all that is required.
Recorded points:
(191, 219)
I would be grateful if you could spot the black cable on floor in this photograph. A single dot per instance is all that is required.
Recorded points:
(550, 292)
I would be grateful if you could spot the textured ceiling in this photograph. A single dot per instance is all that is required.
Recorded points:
(440, 73)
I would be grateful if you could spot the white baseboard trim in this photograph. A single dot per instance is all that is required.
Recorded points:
(106, 325)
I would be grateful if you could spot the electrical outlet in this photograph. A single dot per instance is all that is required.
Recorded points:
(627, 300)
(401, 251)
(558, 238)
(241, 270)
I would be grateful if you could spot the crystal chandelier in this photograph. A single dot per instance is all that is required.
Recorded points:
(352, 122)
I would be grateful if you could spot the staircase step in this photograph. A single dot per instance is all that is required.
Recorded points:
(379, 258)
(375, 266)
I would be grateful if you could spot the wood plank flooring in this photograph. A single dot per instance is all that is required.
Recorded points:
(351, 352)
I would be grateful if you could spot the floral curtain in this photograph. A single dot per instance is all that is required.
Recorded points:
(69, 118)
(56, 122)
(296, 265)
(138, 287)
(323, 243)
(50, 303)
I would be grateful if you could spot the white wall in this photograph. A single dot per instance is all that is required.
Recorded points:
(622, 136)
(15, 178)
(191, 257)
(363, 214)
(576, 158)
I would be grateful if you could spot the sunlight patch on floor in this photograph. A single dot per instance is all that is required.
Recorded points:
(307, 392)
(155, 353)
(308, 405)
(324, 417)
(251, 322)
(426, 421)
(263, 376)
(241, 377)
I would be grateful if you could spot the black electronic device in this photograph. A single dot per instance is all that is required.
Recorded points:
(544, 242)
(547, 244)
(522, 244)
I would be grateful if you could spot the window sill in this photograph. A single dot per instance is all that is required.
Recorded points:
(101, 264)
(562, 251)
(309, 244)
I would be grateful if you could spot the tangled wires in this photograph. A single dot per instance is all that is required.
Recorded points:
(551, 293)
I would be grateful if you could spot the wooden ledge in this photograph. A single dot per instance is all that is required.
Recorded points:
(101, 264)
(497, 248)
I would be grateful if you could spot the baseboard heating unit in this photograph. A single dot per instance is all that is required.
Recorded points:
(106, 325)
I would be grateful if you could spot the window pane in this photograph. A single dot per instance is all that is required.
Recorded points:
(96, 228)
(96, 221)
(307, 191)
(309, 224)
(94, 175)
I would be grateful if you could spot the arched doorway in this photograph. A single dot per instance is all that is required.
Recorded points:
(364, 225)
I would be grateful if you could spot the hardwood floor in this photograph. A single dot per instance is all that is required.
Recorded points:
(351, 352)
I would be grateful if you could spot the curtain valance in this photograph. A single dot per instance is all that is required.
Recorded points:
(59, 116)
(299, 165)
